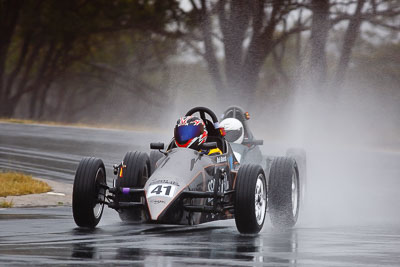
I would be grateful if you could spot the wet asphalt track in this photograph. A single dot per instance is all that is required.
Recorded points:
(48, 236)
(54, 152)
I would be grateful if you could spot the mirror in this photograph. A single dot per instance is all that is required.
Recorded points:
(158, 146)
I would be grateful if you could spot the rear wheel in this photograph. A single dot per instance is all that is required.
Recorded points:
(89, 192)
(250, 199)
(134, 175)
(284, 192)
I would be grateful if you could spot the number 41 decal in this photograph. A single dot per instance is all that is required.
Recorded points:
(164, 190)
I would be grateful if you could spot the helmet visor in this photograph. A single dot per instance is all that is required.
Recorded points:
(184, 133)
(233, 135)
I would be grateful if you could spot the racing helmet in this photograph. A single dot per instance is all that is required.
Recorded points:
(190, 132)
(234, 130)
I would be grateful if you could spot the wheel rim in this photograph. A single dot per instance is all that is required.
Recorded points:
(101, 194)
(295, 194)
(260, 199)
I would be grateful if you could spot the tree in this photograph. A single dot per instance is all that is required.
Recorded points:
(248, 32)
(319, 34)
(9, 13)
(235, 38)
(46, 39)
(378, 13)
(350, 15)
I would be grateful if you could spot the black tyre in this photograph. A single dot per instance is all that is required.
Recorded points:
(300, 156)
(284, 192)
(155, 155)
(250, 199)
(89, 192)
(134, 175)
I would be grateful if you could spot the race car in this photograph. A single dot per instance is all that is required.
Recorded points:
(247, 148)
(238, 134)
(184, 186)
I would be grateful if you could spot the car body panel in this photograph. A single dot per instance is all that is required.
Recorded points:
(185, 170)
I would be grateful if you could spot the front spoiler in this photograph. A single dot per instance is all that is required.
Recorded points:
(219, 205)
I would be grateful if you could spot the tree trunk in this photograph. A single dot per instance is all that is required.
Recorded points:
(250, 72)
(298, 40)
(42, 81)
(260, 47)
(7, 107)
(210, 57)
(18, 67)
(9, 12)
(43, 96)
(234, 24)
(349, 40)
(319, 34)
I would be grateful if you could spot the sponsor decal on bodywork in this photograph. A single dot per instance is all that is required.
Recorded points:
(157, 201)
(221, 159)
(164, 181)
(223, 186)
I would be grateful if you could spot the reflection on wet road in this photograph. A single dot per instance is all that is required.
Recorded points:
(49, 236)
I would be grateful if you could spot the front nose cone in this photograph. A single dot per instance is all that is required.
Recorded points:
(156, 206)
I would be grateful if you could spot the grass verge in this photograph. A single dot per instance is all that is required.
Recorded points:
(17, 184)
(6, 204)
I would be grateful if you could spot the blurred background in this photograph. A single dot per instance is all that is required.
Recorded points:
(127, 61)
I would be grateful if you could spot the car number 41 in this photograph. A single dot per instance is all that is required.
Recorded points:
(164, 190)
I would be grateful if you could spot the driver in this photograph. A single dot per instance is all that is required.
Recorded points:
(234, 130)
(191, 132)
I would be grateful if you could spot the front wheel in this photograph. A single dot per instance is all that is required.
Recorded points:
(89, 192)
(284, 192)
(250, 199)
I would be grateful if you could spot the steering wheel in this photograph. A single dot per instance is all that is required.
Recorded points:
(203, 111)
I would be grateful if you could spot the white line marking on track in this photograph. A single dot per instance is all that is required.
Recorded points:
(55, 194)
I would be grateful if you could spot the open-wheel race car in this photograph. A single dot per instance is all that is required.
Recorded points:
(246, 146)
(176, 185)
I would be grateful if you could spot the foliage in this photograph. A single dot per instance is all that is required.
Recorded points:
(54, 41)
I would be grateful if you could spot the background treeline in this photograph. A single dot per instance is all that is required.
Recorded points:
(131, 60)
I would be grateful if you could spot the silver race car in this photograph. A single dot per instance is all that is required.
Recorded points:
(184, 186)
